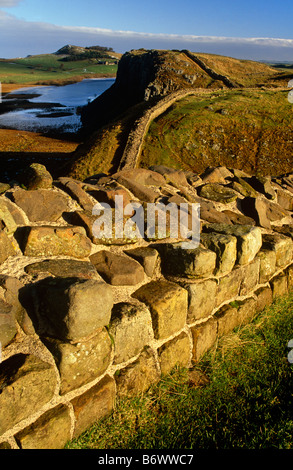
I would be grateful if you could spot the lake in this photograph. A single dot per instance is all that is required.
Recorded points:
(49, 108)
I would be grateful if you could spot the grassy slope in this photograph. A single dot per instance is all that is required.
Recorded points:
(247, 401)
(47, 68)
(246, 129)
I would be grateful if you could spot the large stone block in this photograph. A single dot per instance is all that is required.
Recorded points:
(146, 256)
(137, 377)
(41, 204)
(187, 262)
(204, 337)
(229, 286)
(279, 285)
(131, 330)
(201, 299)
(168, 303)
(175, 352)
(51, 431)
(6, 247)
(247, 310)
(93, 405)
(249, 239)
(117, 269)
(10, 216)
(82, 362)
(267, 265)
(71, 308)
(27, 383)
(264, 298)
(225, 247)
(8, 328)
(227, 319)
(56, 241)
(250, 278)
(281, 245)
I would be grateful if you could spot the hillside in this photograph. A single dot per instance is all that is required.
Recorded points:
(68, 64)
(227, 98)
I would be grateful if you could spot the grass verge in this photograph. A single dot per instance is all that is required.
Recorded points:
(246, 402)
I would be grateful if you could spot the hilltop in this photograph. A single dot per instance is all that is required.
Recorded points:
(190, 111)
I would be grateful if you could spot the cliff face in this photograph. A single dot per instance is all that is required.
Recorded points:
(144, 76)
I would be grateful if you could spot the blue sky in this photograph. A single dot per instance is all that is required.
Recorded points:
(246, 29)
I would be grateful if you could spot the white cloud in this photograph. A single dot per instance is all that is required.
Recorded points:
(20, 38)
(9, 3)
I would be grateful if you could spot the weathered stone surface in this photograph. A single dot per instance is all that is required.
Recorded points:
(82, 362)
(117, 269)
(279, 286)
(6, 247)
(249, 239)
(262, 184)
(63, 268)
(250, 277)
(190, 262)
(204, 337)
(201, 299)
(93, 405)
(41, 204)
(146, 256)
(141, 192)
(225, 247)
(227, 319)
(275, 212)
(50, 431)
(267, 266)
(56, 241)
(213, 216)
(175, 352)
(8, 328)
(289, 273)
(74, 189)
(229, 286)
(10, 216)
(118, 197)
(27, 383)
(138, 376)
(216, 175)
(36, 176)
(91, 224)
(285, 199)
(131, 330)
(142, 176)
(5, 445)
(256, 208)
(264, 297)
(4, 187)
(247, 310)
(244, 188)
(174, 177)
(281, 245)
(238, 219)
(217, 192)
(72, 308)
(168, 303)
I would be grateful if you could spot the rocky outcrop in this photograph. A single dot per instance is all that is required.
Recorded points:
(86, 315)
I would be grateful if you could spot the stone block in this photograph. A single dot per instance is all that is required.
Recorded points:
(27, 383)
(267, 265)
(187, 262)
(93, 405)
(137, 377)
(82, 362)
(63, 268)
(204, 337)
(256, 208)
(6, 247)
(225, 247)
(8, 328)
(56, 241)
(247, 309)
(117, 269)
(229, 286)
(289, 273)
(250, 277)
(201, 299)
(131, 330)
(51, 431)
(146, 256)
(249, 239)
(71, 308)
(264, 297)
(279, 286)
(41, 204)
(281, 245)
(10, 216)
(168, 303)
(218, 193)
(227, 319)
(175, 352)
(36, 176)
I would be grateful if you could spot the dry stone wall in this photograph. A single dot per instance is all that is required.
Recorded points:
(87, 319)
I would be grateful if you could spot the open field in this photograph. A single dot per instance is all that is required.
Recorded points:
(48, 69)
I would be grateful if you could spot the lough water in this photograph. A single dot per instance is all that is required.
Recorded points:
(70, 97)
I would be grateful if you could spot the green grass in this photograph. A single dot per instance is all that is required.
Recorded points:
(48, 67)
(247, 403)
